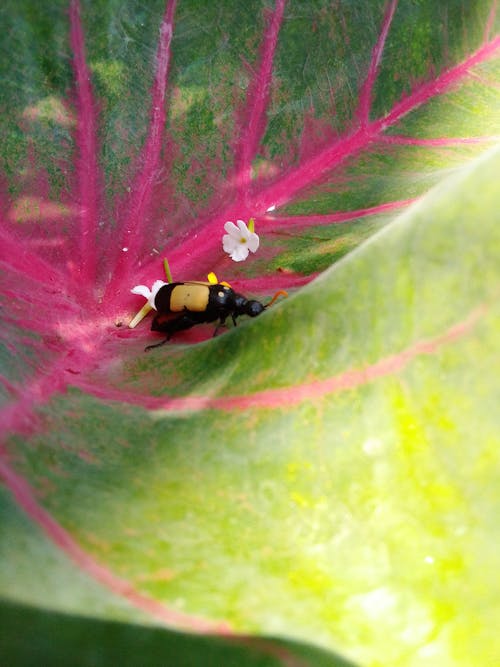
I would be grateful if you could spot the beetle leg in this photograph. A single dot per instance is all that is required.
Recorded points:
(221, 324)
(171, 326)
(150, 347)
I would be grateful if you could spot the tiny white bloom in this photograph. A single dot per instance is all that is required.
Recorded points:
(149, 294)
(239, 240)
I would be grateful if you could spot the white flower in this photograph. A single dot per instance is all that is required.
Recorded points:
(239, 240)
(149, 294)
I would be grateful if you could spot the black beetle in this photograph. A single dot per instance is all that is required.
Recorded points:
(197, 302)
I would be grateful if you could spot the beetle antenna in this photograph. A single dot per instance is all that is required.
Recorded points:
(280, 292)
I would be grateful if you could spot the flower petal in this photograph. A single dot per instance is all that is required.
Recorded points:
(243, 228)
(143, 290)
(240, 253)
(229, 243)
(157, 285)
(239, 240)
(253, 242)
(232, 230)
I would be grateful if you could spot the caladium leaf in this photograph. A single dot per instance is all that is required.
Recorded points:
(130, 645)
(325, 472)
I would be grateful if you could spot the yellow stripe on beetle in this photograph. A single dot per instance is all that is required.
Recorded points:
(189, 296)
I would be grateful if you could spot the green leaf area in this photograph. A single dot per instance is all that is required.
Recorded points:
(323, 57)
(339, 485)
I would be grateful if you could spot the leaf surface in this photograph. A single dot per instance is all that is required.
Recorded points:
(327, 471)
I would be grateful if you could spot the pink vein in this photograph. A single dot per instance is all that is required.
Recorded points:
(270, 224)
(87, 167)
(186, 252)
(24, 496)
(19, 416)
(491, 20)
(287, 397)
(256, 103)
(366, 92)
(316, 167)
(437, 86)
(270, 283)
(16, 256)
(136, 215)
(439, 141)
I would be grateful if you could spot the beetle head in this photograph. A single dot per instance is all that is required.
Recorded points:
(253, 308)
(245, 306)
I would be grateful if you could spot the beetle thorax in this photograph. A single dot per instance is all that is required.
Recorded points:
(222, 297)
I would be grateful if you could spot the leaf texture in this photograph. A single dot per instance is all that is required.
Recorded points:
(326, 472)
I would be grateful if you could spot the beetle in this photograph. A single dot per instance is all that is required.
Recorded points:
(182, 305)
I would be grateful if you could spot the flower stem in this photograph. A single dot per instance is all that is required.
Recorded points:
(167, 270)
(140, 316)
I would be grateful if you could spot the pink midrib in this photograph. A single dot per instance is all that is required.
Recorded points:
(281, 191)
(291, 396)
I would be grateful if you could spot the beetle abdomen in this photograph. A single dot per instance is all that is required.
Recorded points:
(189, 296)
(195, 297)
